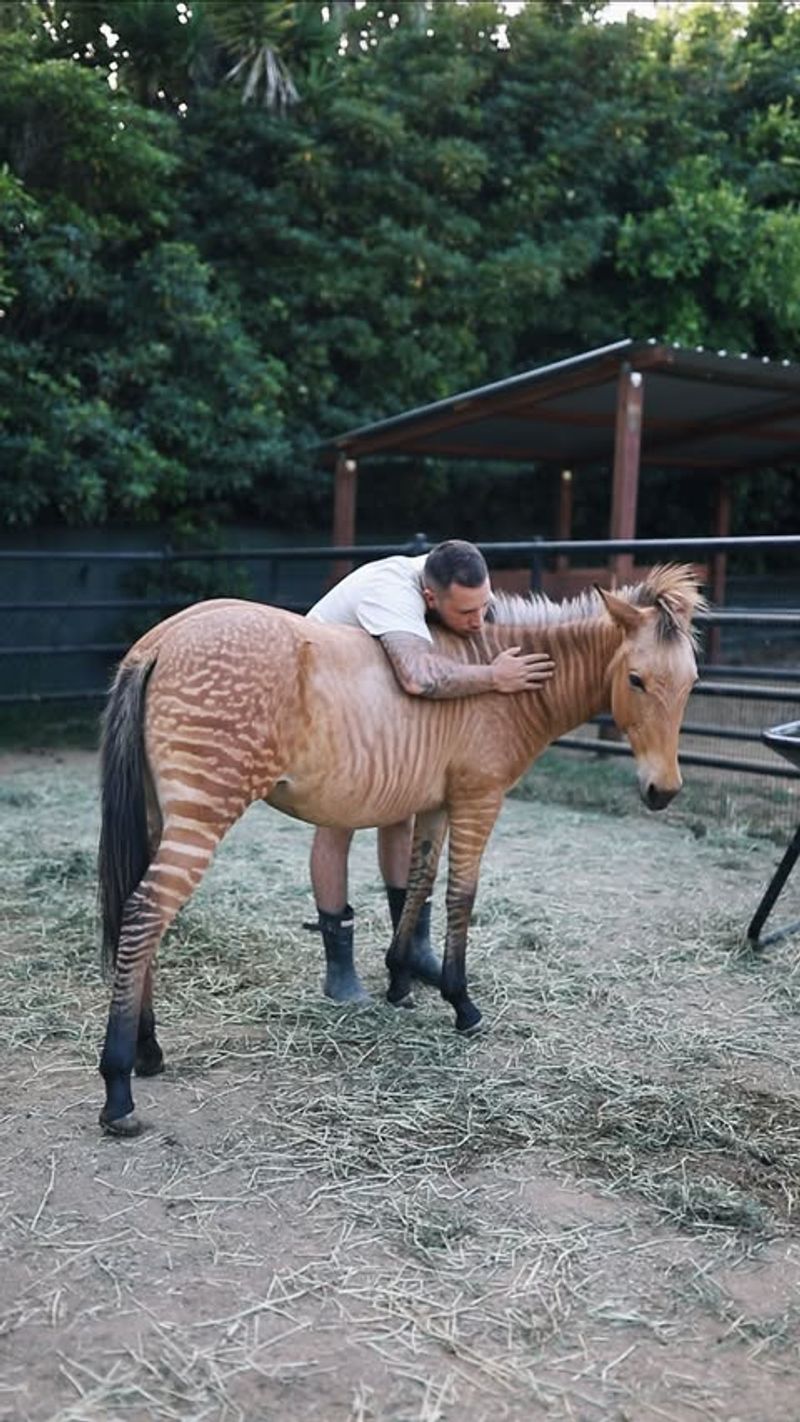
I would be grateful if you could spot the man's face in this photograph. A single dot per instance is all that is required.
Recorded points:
(462, 610)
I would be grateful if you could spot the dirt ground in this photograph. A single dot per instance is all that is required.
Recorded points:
(588, 1212)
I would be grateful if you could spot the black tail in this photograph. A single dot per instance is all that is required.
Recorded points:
(124, 853)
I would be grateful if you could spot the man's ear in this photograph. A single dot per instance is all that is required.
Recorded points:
(622, 612)
(429, 596)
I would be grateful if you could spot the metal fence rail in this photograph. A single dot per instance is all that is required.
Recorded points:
(715, 762)
(741, 685)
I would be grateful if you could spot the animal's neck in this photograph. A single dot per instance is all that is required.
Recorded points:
(580, 688)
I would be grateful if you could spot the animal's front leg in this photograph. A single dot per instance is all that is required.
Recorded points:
(429, 832)
(470, 827)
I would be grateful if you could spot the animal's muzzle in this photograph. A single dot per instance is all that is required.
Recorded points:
(658, 799)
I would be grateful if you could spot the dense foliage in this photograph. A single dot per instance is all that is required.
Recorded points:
(232, 228)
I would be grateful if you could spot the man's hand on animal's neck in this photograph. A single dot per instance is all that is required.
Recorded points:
(423, 672)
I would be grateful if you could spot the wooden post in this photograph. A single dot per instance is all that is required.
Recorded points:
(719, 562)
(344, 512)
(564, 522)
(627, 448)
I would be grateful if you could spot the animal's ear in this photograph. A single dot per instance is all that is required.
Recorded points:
(622, 612)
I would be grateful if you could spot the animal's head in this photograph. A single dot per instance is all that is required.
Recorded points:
(653, 672)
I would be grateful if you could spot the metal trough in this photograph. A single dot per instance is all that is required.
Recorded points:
(786, 741)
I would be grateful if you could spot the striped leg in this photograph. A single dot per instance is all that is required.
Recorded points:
(149, 1056)
(429, 832)
(182, 858)
(470, 827)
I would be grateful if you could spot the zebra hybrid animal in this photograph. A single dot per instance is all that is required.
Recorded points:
(230, 702)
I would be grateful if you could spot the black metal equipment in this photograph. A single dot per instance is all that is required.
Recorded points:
(786, 741)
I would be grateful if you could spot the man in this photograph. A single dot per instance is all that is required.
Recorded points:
(394, 600)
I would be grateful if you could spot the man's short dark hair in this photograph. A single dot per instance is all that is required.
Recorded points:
(454, 561)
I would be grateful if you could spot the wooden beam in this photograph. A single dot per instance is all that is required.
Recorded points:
(663, 431)
(564, 519)
(489, 402)
(627, 450)
(757, 422)
(719, 561)
(345, 487)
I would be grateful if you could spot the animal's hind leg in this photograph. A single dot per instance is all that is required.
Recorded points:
(429, 832)
(182, 858)
(149, 1056)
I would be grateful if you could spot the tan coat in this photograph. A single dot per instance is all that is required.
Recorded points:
(234, 702)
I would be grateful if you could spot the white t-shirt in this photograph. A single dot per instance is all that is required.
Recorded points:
(385, 596)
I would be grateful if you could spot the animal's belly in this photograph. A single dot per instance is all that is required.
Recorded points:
(353, 806)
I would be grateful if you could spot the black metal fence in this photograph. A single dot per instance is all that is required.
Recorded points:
(74, 613)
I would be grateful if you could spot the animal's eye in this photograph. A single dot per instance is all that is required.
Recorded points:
(636, 681)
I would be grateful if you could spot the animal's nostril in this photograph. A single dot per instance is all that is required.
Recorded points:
(658, 799)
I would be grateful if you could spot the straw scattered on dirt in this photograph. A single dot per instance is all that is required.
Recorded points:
(590, 1211)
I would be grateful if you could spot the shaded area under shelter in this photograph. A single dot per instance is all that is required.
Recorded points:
(624, 407)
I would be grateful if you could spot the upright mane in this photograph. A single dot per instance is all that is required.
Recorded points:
(671, 587)
(674, 589)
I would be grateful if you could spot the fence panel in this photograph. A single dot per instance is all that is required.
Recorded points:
(68, 615)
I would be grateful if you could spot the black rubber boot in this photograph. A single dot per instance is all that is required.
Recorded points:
(422, 961)
(342, 983)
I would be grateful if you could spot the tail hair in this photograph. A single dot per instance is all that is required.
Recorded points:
(124, 852)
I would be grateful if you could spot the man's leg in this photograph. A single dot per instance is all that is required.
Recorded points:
(394, 860)
(329, 854)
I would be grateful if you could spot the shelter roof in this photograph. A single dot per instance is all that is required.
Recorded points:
(702, 410)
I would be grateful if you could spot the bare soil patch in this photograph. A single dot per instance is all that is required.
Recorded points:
(589, 1212)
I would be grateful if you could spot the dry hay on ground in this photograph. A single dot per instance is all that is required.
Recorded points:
(588, 1212)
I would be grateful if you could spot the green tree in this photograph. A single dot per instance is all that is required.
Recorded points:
(127, 385)
(199, 289)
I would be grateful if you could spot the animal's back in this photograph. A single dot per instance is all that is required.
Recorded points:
(252, 701)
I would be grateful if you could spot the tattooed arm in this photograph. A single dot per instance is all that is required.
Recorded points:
(422, 672)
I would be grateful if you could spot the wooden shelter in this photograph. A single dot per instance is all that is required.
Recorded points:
(628, 405)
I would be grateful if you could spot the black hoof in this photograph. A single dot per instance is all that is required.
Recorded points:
(468, 1020)
(399, 992)
(406, 1001)
(124, 1126)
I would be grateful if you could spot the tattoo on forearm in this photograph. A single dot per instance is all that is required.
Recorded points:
(442, 682)
(423, 672)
